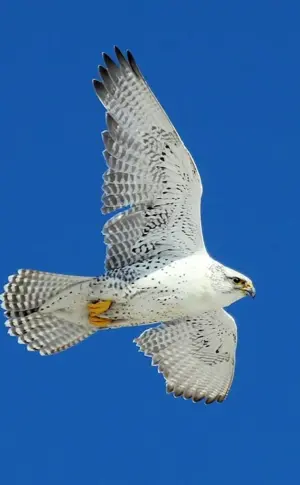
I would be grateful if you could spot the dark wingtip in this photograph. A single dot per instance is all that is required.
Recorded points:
(108, 60)
(120, 55)
(105, 76)
(133, 64)
(117, 50)
(99, 88)
(105, 56)
(95, 84)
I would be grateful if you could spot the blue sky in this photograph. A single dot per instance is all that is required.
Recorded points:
(228, 75)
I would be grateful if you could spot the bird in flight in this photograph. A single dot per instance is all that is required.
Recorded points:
(158, 270)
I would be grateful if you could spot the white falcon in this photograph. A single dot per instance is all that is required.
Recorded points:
(157, 266)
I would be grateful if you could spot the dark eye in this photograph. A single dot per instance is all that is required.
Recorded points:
(236, 280)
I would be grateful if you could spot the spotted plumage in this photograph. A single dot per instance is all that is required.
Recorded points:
(157, 266)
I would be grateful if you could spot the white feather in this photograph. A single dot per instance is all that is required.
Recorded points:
(150, 170)
(196, 356)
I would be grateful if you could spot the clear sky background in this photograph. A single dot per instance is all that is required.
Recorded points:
(228, 74)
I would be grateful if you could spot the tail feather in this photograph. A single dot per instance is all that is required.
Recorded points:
(47, 333)
(27, 290)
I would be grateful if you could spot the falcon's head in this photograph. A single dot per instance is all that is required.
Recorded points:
(231, 284)
(237, 282)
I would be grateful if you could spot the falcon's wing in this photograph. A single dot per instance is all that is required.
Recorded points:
(196, 356)
(149, 170)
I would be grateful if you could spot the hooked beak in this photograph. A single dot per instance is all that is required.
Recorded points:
(249, 289)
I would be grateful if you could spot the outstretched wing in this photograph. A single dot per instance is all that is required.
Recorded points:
(150, 172)
(196, 356)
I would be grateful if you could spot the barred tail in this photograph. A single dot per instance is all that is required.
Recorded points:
(48, 333)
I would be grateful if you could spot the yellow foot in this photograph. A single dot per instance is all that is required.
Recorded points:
(96, 309)
(99, 322)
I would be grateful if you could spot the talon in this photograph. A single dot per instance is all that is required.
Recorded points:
(99, 306)
(99, 322)
(96, 309)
